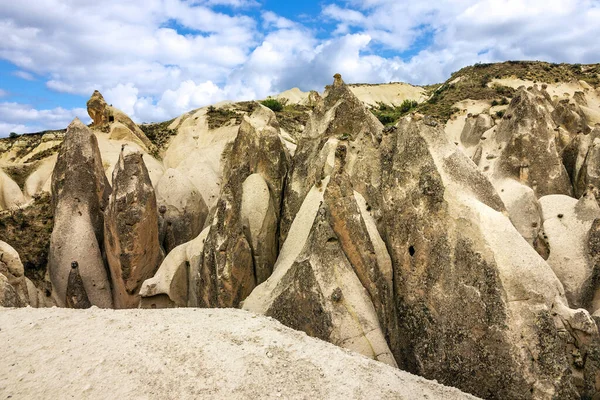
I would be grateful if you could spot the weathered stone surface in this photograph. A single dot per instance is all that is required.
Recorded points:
(76, 294)
(131, 229)
(523, 147)
(80, 193)
(567, 223)
(467, 305)
(314, 287)
(115, 122)
(10, 194)
(259, 221)
(229, 268)
(182, 210)
(12, 268)
(474, 128)
(524, 212)
(174, 284)
(339, 117)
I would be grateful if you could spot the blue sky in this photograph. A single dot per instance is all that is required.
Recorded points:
(156, 59)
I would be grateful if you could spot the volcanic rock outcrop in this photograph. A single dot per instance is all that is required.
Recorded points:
(113, 121)
(131, 229)
(241, 246)
(80, 194)
(467, 253)
(182, 210)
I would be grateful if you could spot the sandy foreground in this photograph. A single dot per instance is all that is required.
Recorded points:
(185, 353)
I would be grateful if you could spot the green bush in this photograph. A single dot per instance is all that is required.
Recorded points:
(500, 114)
(388, 115)
(273, 104)
(13, 135)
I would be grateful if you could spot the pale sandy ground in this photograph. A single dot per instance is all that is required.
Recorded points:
(183, 354)
(388, 93)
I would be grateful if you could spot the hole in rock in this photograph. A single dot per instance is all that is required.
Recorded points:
(111, 118)
(411, 251)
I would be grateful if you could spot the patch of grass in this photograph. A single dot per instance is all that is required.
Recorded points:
(159, 133)
(292, 118)
(273, 104)
(475, 79)
(20, 172)
(389, 115)
(218, 117)
(45, 154)
(28, 230)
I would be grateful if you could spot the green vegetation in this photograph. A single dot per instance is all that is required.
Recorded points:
(500, 114)
(473, 83)
(13, 135)
(158, 133)
(293, 118)
(20, 172)
(218, 117)
(389, 115)
(273, 104)
(28, 230)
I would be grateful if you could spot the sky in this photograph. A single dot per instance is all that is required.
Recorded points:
(157, 59)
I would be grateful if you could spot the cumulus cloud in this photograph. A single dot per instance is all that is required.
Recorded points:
(22, 118)
(169, 56)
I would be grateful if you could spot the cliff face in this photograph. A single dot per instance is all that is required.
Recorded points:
(460, 247)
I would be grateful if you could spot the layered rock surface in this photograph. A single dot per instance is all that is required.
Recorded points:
(131, 229)
(80, 193)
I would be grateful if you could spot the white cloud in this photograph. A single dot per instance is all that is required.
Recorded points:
(21, 118)
(169, 56)
(24, 75)
(3, 93)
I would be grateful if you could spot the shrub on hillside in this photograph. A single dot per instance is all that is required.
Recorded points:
(273, 104)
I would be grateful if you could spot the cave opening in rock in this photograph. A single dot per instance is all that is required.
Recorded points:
(411, 251)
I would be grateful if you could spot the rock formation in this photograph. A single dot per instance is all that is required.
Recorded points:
(468, 253)
(114, 122)
(10, 193)
(80, 194)
(241, 247)
(182, 210)
(523, 146)
(131, 229)
(567, 224)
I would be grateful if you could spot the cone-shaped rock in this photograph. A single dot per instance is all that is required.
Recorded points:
(339, 117)
(76, 294)
(314, 286)
(131, 229)
(235, 259)
(80, 193)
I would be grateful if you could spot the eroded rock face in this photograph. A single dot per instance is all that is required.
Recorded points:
(10, 194)
(80, 194)
(182, 210)
(231, 265)
(116, 123)
(523, 147)
(131, 229)
(339, 117)
(466, 306)
(567, 223)
(14, 287)
(314, 287)
(474, 128)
